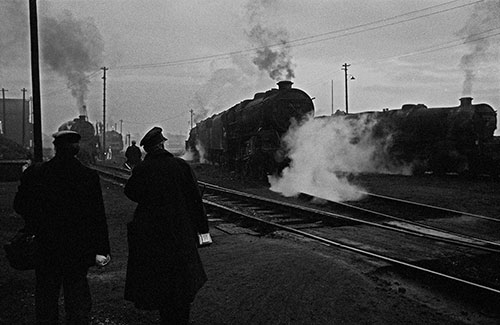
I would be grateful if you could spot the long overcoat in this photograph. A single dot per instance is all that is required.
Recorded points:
(163, 262)
(61, 203)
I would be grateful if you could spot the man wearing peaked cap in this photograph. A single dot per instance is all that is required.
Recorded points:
(164, 270)
(62, 205)
(66, 136)
(152, 138)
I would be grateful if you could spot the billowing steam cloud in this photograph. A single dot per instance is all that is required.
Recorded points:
(72, 48)
(324, 150)
(229, 84)
(214, 94)
(485, 15)
(273, 55)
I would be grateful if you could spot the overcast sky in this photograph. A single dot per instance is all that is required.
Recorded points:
(166, 58)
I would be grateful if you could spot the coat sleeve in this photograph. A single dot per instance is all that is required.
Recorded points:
(100, 233)
(27, 201)
(136, 188)
(198, 213)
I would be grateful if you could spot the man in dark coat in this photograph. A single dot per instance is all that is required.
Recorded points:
(133, 155)
(164, 270)
(62, 205)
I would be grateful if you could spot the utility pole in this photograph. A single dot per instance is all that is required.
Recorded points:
(332, 97)
(35, 80)
(345, 65)
(192, 113)
(104, 69)
(24, 90)
(4, 128)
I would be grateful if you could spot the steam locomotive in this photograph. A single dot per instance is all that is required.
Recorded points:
(441, 140)
(247, 136)
(91, 142)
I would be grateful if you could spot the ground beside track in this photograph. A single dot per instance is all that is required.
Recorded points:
(278, 279)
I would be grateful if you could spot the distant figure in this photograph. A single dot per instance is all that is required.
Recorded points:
(164, 270)
(109, 153)
(62, 205)
(133, 155)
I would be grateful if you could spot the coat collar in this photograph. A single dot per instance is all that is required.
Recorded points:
(157, 153)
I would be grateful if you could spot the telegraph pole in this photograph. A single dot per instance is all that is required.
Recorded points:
(35, 81)
(192, 113)
(24, 90)
(332, 97)
(345, 65)
(104, 69)
(4, 128)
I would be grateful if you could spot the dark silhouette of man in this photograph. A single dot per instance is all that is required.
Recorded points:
(164, 270)
(133, 155)
(62, 205)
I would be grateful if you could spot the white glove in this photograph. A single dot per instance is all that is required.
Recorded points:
(101, 260)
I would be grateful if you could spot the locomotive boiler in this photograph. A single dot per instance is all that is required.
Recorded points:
(247, 136)
(456, 139)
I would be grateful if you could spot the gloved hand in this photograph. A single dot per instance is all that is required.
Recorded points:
(101, 260)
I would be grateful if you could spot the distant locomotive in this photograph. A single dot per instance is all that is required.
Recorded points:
(91, 142)
(445, 139)
(247, 136)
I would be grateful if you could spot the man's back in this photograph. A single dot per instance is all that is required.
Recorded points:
(61, 201)
(133, 154)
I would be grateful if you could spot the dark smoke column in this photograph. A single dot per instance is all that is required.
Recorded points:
(273, 53)
(35, 80)
(73, 48)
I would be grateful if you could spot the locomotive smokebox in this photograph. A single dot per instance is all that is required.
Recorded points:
(285, 84)
(466, 102)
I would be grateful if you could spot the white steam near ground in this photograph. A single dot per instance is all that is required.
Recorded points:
(323, 151)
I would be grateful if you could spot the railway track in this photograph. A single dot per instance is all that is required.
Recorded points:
(410, 243)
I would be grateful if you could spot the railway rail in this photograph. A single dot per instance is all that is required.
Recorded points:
(411, 244)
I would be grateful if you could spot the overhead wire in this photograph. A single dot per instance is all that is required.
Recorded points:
(454, 43)
(55, 91)
(309, 39)
(153, 122)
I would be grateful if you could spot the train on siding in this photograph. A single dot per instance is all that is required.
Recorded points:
(247, 136)
(457, 139)
(91, 143)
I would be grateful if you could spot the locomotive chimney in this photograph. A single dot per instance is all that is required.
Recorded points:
(285, 84)
(83, 110)
(465, 102)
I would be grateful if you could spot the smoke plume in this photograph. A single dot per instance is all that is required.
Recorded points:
(273, 53)
(225, 87)
(486, 14)
(72, 48)
(212, 95)
(323, 151)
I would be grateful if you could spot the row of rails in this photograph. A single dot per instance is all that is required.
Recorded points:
(452, 250)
